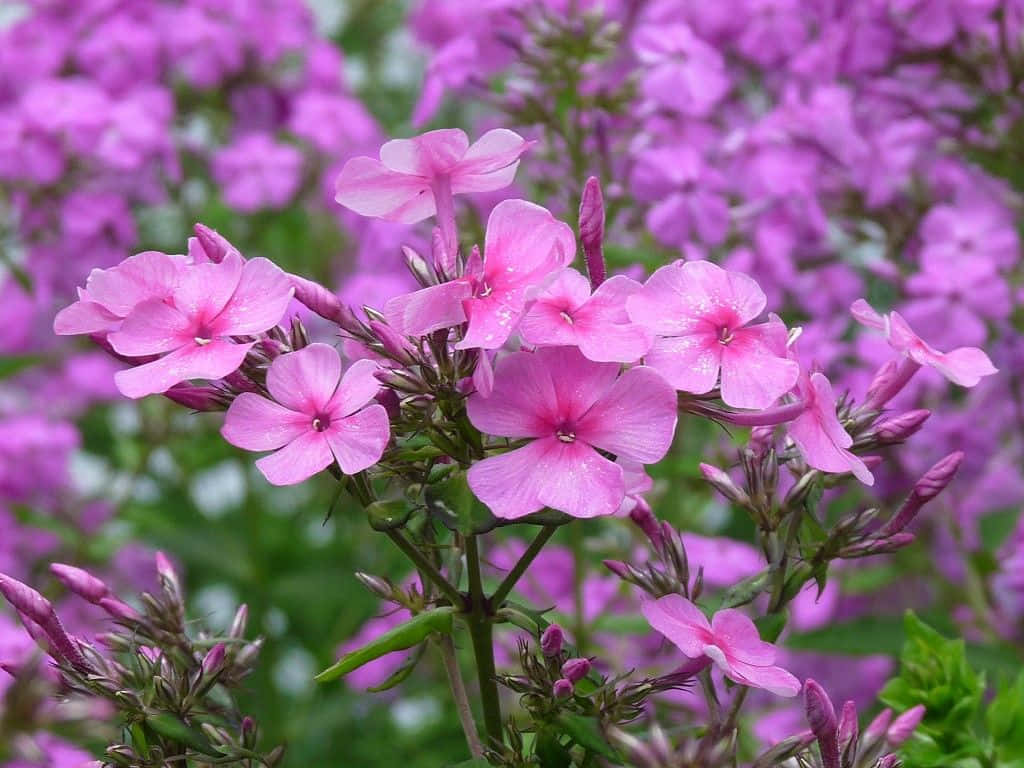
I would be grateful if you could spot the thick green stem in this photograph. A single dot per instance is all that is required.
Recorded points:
(426, 567)
(520, 567)
(481, 635)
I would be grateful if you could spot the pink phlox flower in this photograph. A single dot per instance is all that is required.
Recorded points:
(566, 314)
(682, 72)
(965, 366)
(451, 68)
(568, 408)
(524, 244)
(818, 433)
(730, 640)
(701, 314)
(637, 482)
(194, 328)
(317, 416)
(403, 185)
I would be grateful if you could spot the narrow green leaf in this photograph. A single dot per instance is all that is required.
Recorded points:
(398, 638)
(400, 674)
(584, 731)
(171, 727)
(388, 515)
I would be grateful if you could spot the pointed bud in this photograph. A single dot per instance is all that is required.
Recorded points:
(382, 588)
(620, 569)
(890, 761)
(899, 428)
(821, 716)
(903, 727)
(168, 576)
(238, 624)
(318, 298)
(575, 670)
(724, 484)
(877, 546)
(117, 609)
(848, 726)
(213, 244)
(931, 484)
(592, 230)
(214, 659)
(552, 640)
(444, 259)
(877, 728)
(81, 582)
(201, 399)
(562, 689)
(421, 271)
(37, 609)
(395, 346)
(889, 382)
(645, 520)
(761, 440)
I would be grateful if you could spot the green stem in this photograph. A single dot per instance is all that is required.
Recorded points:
(451, 665)
(481, 635)
(578, 578)
(520, 567)
(426, 567)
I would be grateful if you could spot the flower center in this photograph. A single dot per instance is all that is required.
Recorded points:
(321, 422)
(725, 335)
(566, 316)
(203, 335)
(485, 290)
(566, 435)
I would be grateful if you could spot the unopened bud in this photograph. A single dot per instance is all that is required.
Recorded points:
(783, 751)
(382, 588)
(888, 382)
(298, 338)
(118, 609)
(552, 640)
(213, 244)
(238, 624)
(418, 267)
(724, 484)
(620, 569)
(80, 581)
(214, 658)
(575, 670)
(877, 546)
(645, 520)
(562, 689)
(877, 728)
(821, 716)
(903, 727)
(37, 609)
(890, 761)
(591, 224)
(931, 484)
(168, 576)
(201, 399)
(847, 725)
(444, 258)
(395, 346)
(899, 428)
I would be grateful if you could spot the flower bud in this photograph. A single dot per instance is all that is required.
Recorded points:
(552, 640)
(877, 728)
(889, 381)
(38, 611)
(118, 609)
(591, 223)
(238, 624)
(168, 576)
(848, 727)
(724, 484)
(214, 659)
(899, 428)
(201, 399)
(620, 569)
(213, 244)
(393, 343)
(889, 761)
(562, 689)
(931, 484)
(575, 670)
(418, 267)
(821, 716)
(81, 582)
(903, 727)
(444, 259)
(645, 520)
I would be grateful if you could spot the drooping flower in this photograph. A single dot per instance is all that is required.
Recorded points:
(819, 435)
(523, 245)
(965, 366)
(566, 314)
(193, 328)
(318, 416)
(701, 314)
(111, 294)
(568, 407)
(730, 640)
(412, 173)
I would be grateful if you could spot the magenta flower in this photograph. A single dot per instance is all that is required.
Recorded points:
(193, 329)
(819, 435)
(565, 314)
(317, 417)
(523, 245)
(683, 73)
(111, 294)
(257, 172)
(568, 407)
(965, 366)
(701, 313)
(730, 640)
(405, 184)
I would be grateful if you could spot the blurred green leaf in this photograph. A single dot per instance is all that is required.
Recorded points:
(585, 732)
(15, 364)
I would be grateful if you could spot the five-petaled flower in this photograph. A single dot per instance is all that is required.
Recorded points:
(730, 640)
(701, 315)
(317, 416)
(570, 409)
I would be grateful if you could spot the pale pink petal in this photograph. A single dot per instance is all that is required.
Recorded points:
(367, 187)
(483, 375)
(485, 182)
(755, 371)
(964, 366)
(146, 275)
(305, 380)
(84, 317)
(211, 361)
(258, 303)
(772, 679)
(659, 306)
(257, 424)
(491, 319)
(302, 458)
(713, 293)
(578, 383)
(523, 238)
(495, 150)
(550, 319)
(603, 328)
(570, 477)
(358, 441)
(866, 315)
(689, 363)
(521, 401)
(428, 309)
(203, 290)
(737, 635)
(636, 419)
(821, 438)
(429, 154)
(152, 327)
(358, 387)
(680, 621)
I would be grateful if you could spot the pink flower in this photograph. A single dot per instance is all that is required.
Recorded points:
(565, 314)
(193, 329)
(523, 245)
(111, 294)
(258, 172)
(568, 407)
(683, 73)
(701, 314)
(819, 435)
(965, 366)
(730, 641)
(319, 417)
(404, 184)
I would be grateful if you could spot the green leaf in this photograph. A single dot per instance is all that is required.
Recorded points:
(454, 504)
(406, 635)
(400, 674)
(771, 626)
(863, 636)
(746, 590)
(550, 751)
(14, 364)
(173, 728)
(584, 731)
(544, 517)
(1005, 719)
(388, 515)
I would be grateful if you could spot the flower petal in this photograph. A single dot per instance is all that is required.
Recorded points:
(689, 363)
(211, 361)
(428, 309)
(755, 370)
(305, 380)
(772, 679)
(369, 188)
(737, 635)
(358, 441)
(258, 303)
(203, 290)
(257, 424)
(429, 154)
(302, 458)
(358, 386)
(680, 621)
(524, 239)
(152, 327)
